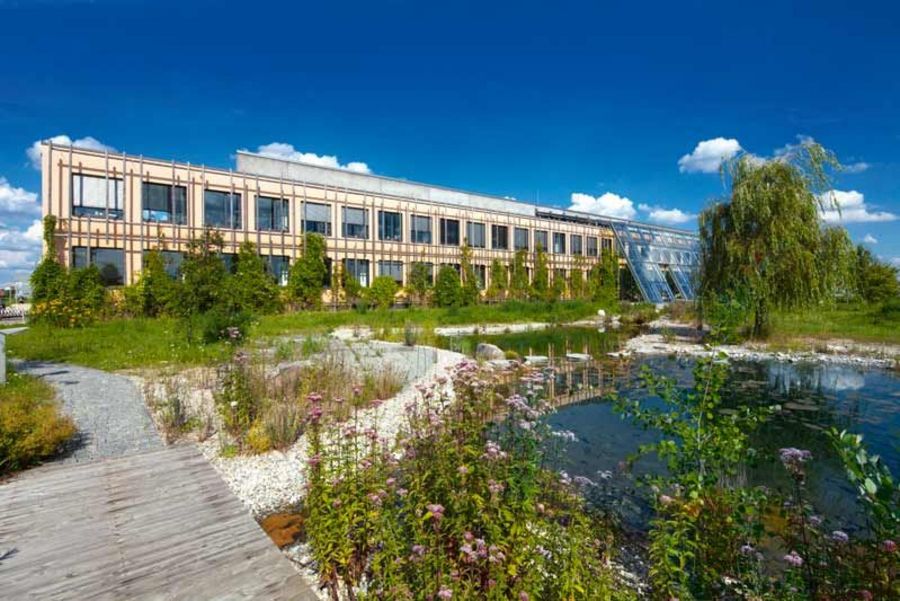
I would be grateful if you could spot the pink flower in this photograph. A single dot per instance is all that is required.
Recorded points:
(436, 510)
(523, 596)
(463, 470)
(445, 593)
(889, 546)
(336, 503)
(665, 500)
(793, 559)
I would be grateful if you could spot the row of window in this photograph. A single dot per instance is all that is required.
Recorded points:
(103, 197)
(111, 264)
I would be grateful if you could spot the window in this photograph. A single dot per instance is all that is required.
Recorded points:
(540, 240)
(591, 246)
(576, 244)
(475, 235)
(606, 244)
(110, 262)
(171, 259)
(222, 209)
(480, 275)
(272, 214)
(97, 196)
(278, 267)
(499, 236)
(559, 243)
(356, 223)
(359, 269)
(393, 269)
(317, 218)
(390, 226)
(449, 232)
(164, 203)
(520, 238)
(420, 230)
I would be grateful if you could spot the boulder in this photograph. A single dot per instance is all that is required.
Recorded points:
(489, 352)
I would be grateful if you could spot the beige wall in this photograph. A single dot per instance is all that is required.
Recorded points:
(134, 236)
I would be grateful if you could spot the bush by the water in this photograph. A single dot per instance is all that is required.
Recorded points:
(461, 506)
(32, 428)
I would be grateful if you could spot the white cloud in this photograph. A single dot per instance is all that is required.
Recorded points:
(280, 150)
(21, 260)
(870, 239)
(667, 216)
(791, 148)
(17, 200)
(853, 208)
(29, 239)
(607, 204)
(709, 155)
(88, 142)
(858, 167)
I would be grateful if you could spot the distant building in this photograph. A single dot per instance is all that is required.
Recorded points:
(113, 208)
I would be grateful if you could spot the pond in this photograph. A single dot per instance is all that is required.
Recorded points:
(814, 397)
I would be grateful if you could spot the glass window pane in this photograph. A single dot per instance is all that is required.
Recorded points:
(420, 231)
(222, 209)
(475, 234)
(520, 238)
(450, 232)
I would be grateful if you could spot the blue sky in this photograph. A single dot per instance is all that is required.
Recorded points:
(609, 108)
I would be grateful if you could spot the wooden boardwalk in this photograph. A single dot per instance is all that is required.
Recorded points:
(158, 525)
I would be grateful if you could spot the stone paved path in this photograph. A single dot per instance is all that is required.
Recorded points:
(108, 410)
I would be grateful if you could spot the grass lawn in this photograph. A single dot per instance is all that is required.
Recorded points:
(863, 323)
(128, 343)
(31, 425)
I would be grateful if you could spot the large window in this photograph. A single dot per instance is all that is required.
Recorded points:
(393, 269)
(576, 241)
(272, 214)
(358, 269)
(171, 260)
(520, 238)
(97, 196)
(475, 235)
(499, 237)
(559, 243)
(109, 261)
(356, 223)
(540, 240)
(390, 226)
(164, 203)
(450, 232)
(420, 229)
(317, 218)
(592, 246)
(222, 209)
(278, 267)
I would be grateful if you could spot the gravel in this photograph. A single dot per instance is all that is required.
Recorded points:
(108, 410)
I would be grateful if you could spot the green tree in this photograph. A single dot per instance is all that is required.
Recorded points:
(835, 257)
(603, 280)
(419, 284)
(874, 281)
(765, 238)
(382, 292)
(470, 293)
(48, 279)
(540, 283)
(577, 286)
(203, 273)
(558, 286)
(518, 276)
(448, 288)
(499, 280)
(252, 287)
(155, 292)
(309, 273)
(352, 289)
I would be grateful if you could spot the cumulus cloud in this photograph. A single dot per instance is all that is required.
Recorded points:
(666, 216)
(870, 239)
(708, 155)
(27, 239)
(17, 200)
(88, 142)
(858, 167)
(853, 208)
(280, 150)
(607, 204)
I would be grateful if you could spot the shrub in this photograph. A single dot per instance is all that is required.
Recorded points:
(155, 292)
(448, 289)
(382, 292)
(459, 508)
(420, 281)
(32, 427)
(252, 288)
(309, 273)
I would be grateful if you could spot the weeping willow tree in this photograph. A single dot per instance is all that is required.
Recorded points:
(765, 243)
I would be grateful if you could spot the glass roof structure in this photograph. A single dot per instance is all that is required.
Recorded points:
(653, 253)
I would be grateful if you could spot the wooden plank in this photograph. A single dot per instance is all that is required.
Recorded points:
(158, 525)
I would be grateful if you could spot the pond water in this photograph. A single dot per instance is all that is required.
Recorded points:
(814, 397)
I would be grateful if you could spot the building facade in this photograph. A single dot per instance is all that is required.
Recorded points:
(113, 208)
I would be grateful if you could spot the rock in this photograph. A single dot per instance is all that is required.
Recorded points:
(601, 313)
(283, 528)
(489, 352)
(536, 360)
(502, 363)
(578, 357)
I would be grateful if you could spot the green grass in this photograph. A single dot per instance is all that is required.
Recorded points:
(129, 343)
(863, 323)
(32, 427)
